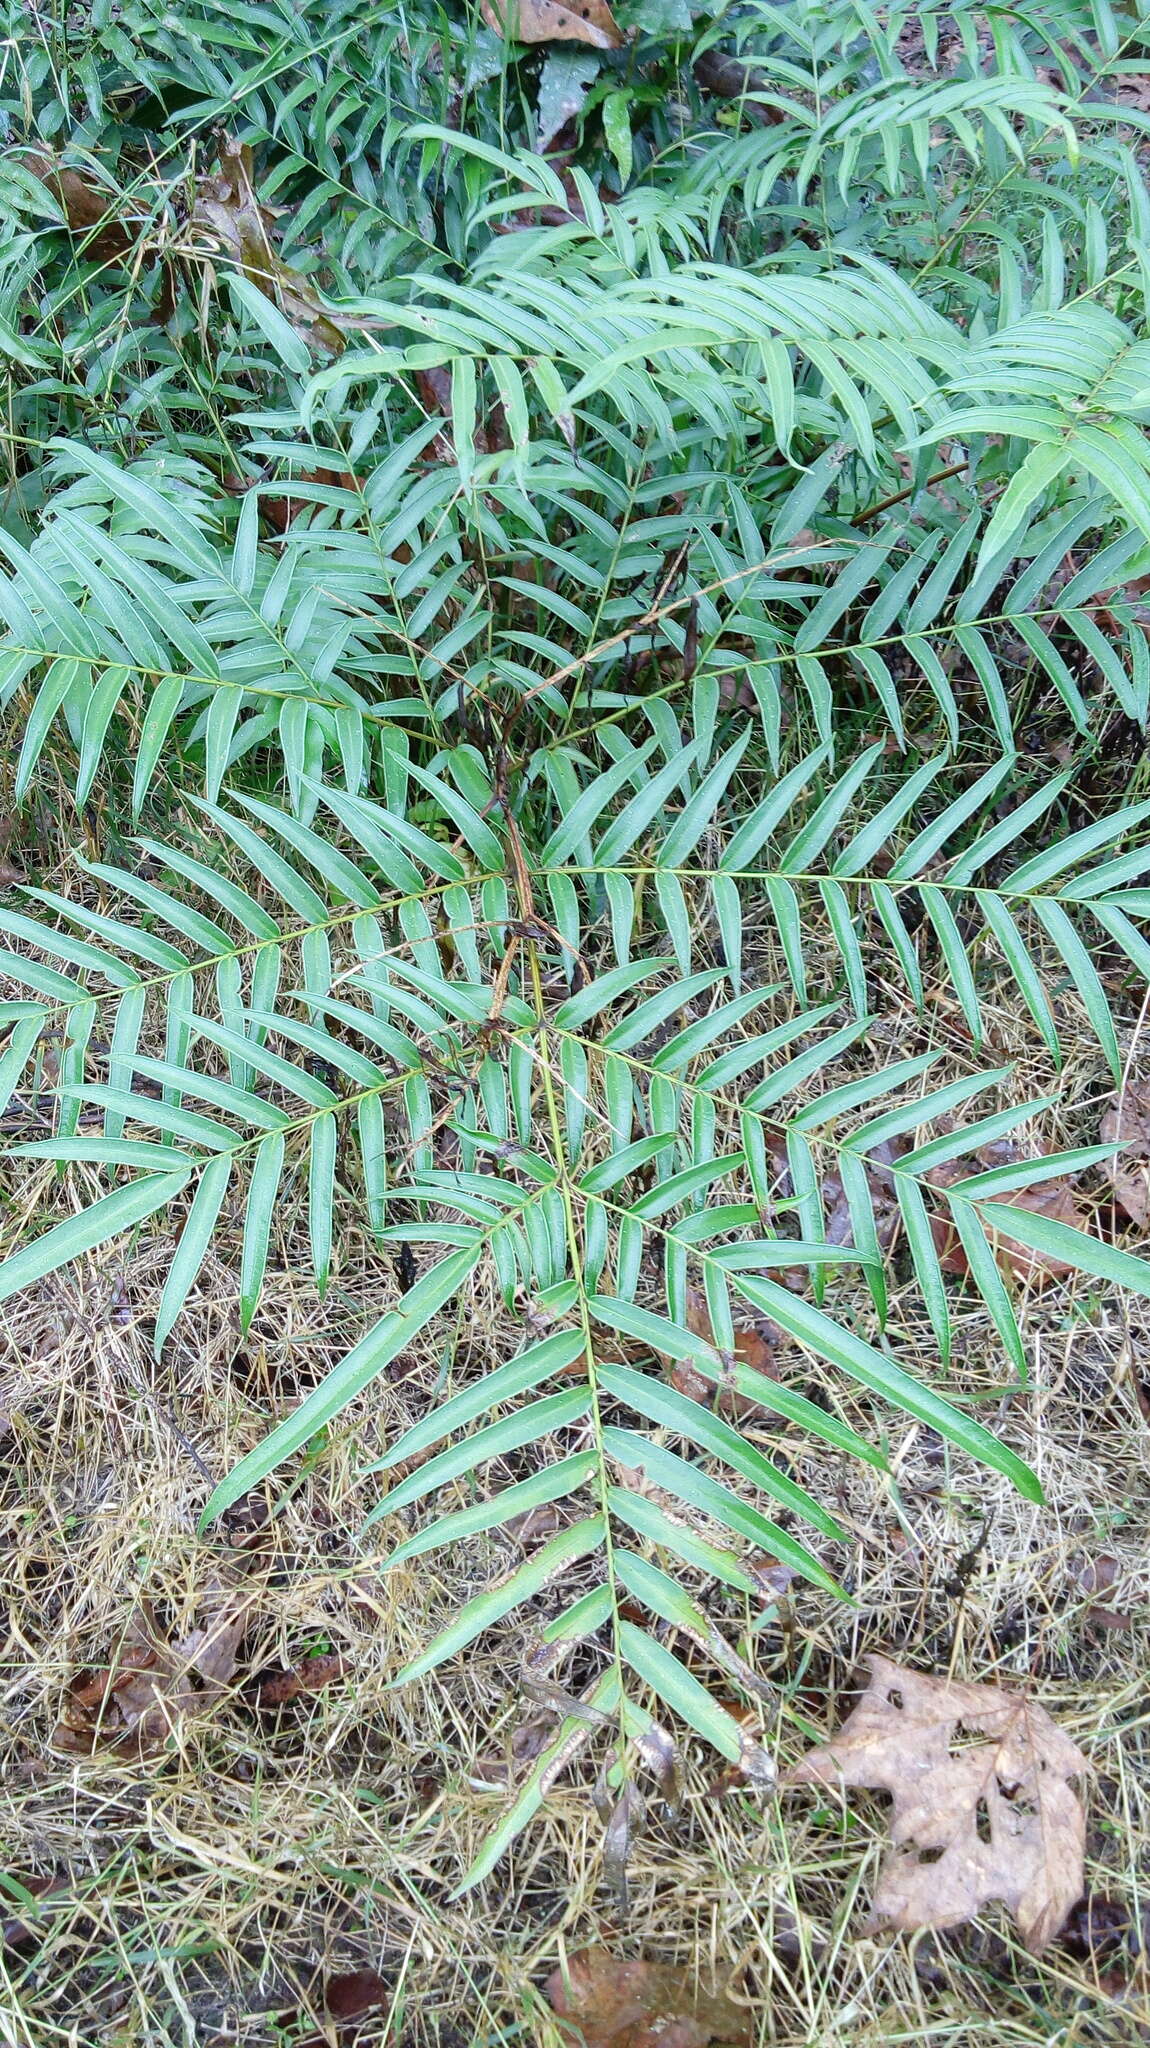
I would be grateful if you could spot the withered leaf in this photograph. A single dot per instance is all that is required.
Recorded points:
(984, 1804)
(355, 1992)
(104, 224)
(623, 1817)
(553, 21)
(614, 2003)
(228, 217)
(138, 1704)
(1127, 1123)
(1099, 1576)
(309, 1676)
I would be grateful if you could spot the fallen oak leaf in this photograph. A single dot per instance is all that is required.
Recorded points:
(553, 21)
(614, 2003)
(984, 1804)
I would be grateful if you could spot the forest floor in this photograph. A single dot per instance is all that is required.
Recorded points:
(266, 1854)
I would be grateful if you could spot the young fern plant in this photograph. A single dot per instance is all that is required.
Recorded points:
(626, 1131)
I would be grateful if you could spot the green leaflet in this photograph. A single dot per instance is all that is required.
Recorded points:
(841, 1348)
(487, 1608)
(346, 1380)
(675, 1685)
(106, 1218)
(524, 1425)
(552, 1483)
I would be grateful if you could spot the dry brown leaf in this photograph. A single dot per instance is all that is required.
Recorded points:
(228, 215)
(551, 21)
(1100, 1576)
(984, 1807)
(95, 216)
(137, 1705)
(613, 2003)
(753, 1348)
(277, 1688)
(357, 1992)
(1128, 1124)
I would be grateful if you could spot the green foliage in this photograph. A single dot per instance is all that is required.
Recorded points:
(541, 596)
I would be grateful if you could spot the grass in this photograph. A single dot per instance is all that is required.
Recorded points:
(208, 1893)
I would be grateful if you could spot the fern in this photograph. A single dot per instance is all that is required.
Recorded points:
(557, 1109)
(658, 592)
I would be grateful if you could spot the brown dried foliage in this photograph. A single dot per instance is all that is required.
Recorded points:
(549, 21)
(613, 2003)
(155, 1686)
(984, 1805)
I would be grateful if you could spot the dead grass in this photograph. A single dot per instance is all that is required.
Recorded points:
(206, 1893)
